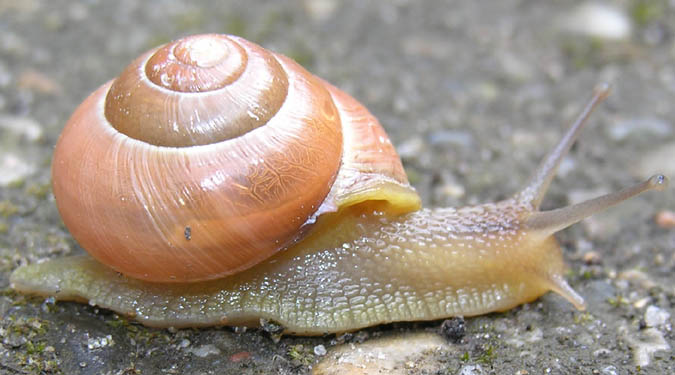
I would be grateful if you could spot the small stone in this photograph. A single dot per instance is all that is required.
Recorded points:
(205, 350)
(393, 355)
(527, 338)
(638, 277)
(452, 190)
(14, 340)
(636, 126)
(14, 168)
(665, 219)
(644, 344)
(592, 257)
(35, 81)
(601, 353)
(320, 10)
(184, 343)
(599, 20)
(453, 329)
(320, 350)
(99, 342)
(411, 148)
(471, 370)
(23, 126)
(270, 326)
(655, 317)
(459, 138)
(48, 304)
(241, 356)
(641, 303)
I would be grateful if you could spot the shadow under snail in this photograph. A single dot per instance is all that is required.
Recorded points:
(217, 183)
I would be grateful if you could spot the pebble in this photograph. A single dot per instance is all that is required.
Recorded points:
(451, 138)
(637, 126)
(592, 257)
(35, 81)
(393, 355)
(240, 356)
(411, 148)
(184, 343)
(23, 126)
(100, 342)
(598, 20)
(14, 168)
(644, 344)
(320, 10)
(638, 277)
(665, 219)
(205, 350)
(526, 338)
(320, 350)
(602, 353)
(471, 370)
(656, 317)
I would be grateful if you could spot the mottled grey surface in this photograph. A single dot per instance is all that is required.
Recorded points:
(473, 93)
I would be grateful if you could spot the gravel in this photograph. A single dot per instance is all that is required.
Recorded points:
(474, 92)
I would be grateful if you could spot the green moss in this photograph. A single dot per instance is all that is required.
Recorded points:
(584, 52)
(302, 55)
(235, 24)
(35, 347)
(617, 301)
(156, 40)
(39, 191)
(582, 318)
(300, 355)
(118, 322)
(644, 12)
(8, 208)
(29, 334)
(487, 354)
(17, 184)
(271, 22)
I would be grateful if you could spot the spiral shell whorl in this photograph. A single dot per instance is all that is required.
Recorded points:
(198, 90)
(197, 64)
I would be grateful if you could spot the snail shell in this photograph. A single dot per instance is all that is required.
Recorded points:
(210, 154)
(161, 178)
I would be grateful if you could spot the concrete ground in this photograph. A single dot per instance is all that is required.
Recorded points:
(472, 93)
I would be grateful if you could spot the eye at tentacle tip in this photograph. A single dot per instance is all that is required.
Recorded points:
(602, 90)
(658, 182)
(549, 222)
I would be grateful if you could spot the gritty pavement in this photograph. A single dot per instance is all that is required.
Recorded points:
(472, 93)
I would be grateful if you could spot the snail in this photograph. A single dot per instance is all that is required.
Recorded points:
(217, 183)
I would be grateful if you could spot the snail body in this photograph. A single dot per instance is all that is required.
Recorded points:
(360, 254)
